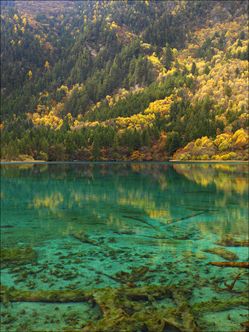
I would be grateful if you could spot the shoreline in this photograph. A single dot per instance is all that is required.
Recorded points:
(171, 161)
(209, 161)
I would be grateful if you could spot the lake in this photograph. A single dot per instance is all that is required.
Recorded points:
(124, 247)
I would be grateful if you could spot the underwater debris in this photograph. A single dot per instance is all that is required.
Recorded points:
(222, 252)
(170, 327)
(156, 237)
(136, 274)
(231, 264)
(128, 278)
(123, 309)
(84, 238)
(131, 309)
(112, 240)
(159, 242)
(140, 220)
(229, 241)
(231, 286)
(124, 232)
(220, 305)
(171, 221)
(17, 256)
(106, 275)
(49, 296)
(246, 325)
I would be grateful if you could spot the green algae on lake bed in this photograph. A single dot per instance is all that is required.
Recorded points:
(124, 247)
(16, 256)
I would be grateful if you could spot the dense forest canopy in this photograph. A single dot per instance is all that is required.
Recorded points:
(124, 80)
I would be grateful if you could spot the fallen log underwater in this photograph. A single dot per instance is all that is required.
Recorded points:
(140, 220)
(124, 307)
(231, 264)
(172, 221)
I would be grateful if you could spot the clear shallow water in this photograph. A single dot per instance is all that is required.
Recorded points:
(93, 226)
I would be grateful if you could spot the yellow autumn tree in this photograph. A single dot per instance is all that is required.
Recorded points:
(24, 21)
(47, 65)
(30, 74)
(16, 18)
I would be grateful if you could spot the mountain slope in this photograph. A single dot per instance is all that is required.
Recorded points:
(104, 80)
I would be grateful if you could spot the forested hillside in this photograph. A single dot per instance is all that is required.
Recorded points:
(124, 80)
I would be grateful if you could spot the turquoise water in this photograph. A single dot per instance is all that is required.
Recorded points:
(98, 226)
